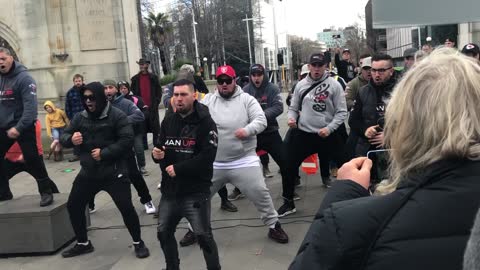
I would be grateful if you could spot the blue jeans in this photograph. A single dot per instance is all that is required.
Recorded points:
(196, 209)
(56, 133)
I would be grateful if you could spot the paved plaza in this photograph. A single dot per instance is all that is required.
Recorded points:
(241, 237)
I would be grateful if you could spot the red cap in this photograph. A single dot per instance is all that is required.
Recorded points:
(226, 70)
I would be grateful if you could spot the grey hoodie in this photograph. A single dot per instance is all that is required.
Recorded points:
(18, 99)
(239, 111)
(324, 106)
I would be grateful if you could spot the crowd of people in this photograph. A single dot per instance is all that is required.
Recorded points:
(425, 116)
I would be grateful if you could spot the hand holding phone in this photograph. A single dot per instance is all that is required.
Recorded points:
(380, 164)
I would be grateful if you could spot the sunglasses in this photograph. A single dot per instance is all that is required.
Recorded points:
(221, 81)
(88, 97)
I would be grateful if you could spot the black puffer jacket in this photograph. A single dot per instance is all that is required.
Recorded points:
(190, 146)
(110, 131)
(368, 110)
(425, 228)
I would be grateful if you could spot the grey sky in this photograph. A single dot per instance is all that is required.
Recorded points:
(308, 17)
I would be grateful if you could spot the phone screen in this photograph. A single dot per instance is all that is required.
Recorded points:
(380, 160)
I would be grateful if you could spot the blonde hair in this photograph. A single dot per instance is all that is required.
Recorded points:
(433, 115)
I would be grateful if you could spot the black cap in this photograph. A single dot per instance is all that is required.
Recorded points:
(471, 48)
(142, 61)
(410, 52)
(257, 68)
(317, 58)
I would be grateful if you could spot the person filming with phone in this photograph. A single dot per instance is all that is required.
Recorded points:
(420, 218)
(367, 115)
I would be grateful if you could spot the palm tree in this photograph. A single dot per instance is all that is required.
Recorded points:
(158, 26)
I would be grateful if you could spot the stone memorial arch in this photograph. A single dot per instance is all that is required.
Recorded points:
(56, 39)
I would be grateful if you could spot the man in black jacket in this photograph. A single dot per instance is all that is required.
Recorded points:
(367, 115)
(103, 136)
(147, 86)
(186, 150)
(18, 114)
(345, 67)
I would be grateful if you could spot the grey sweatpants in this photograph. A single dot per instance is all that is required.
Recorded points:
(250, 181)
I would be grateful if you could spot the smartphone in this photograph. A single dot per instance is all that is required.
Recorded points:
(380, 160)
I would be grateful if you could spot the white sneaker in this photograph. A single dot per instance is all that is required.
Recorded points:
(159, 185)
(149, 208)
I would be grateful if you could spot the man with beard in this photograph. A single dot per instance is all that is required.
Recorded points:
(239, 119)
(73, 103)
(367, 115)
(103, 136)
(134, 115)
(18, 114)
(317, 110)
(147, 86)
(186, 150)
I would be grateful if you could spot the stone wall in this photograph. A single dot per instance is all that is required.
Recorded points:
(56, 39)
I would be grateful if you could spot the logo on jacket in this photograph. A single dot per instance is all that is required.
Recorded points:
(33, 89)
(320, 96)
(213, 138)
(183, 143)
(7, 94)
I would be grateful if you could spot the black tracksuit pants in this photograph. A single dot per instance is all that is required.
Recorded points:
(301, 145)
(137, 180)
(84, 189)
(33, 161)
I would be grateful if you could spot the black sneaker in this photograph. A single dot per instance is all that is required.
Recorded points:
(327, 182)
(78, 250)
(188, 239)
(286, 209)
(297, 181)
(228, 206)
(141, 251)
(46, 199)
(266, 172)
(278, 234)
(235, 195)
(6, 196)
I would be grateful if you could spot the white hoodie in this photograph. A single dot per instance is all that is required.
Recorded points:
(241, 110)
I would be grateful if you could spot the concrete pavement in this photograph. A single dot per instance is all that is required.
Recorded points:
(241, 237)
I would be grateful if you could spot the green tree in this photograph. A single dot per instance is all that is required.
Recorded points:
(157, 27)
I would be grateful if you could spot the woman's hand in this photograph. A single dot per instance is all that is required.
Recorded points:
(357, 170)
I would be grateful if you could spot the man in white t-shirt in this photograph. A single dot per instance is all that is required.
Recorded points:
(239, 119)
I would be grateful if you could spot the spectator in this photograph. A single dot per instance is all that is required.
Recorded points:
(472, 50)
(435, 169)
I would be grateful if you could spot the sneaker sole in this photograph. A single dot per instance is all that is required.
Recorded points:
(297, 198)
(240, 196)
(86, 252)
(281, 241)
(229, 209)
(293, 211)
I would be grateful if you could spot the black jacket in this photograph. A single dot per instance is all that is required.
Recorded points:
(111, 132)
(268, 95)
(425, 228)
(368, 110)
(345, 69)
(190, 146)
(153, 124)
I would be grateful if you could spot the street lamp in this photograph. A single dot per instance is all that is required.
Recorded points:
(197, 58)
(205, 68)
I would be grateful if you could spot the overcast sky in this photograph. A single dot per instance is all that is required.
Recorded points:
(308, 17)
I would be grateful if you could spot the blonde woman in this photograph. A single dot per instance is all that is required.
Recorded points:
(421, 217)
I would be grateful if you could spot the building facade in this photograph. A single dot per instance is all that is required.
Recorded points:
(56, 39)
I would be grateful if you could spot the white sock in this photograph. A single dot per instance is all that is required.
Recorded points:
(272, 226)
(83, 244)
(136, 243)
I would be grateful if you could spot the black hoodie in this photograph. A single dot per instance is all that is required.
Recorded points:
(268, 95)
(106, 128)
(190, 146)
